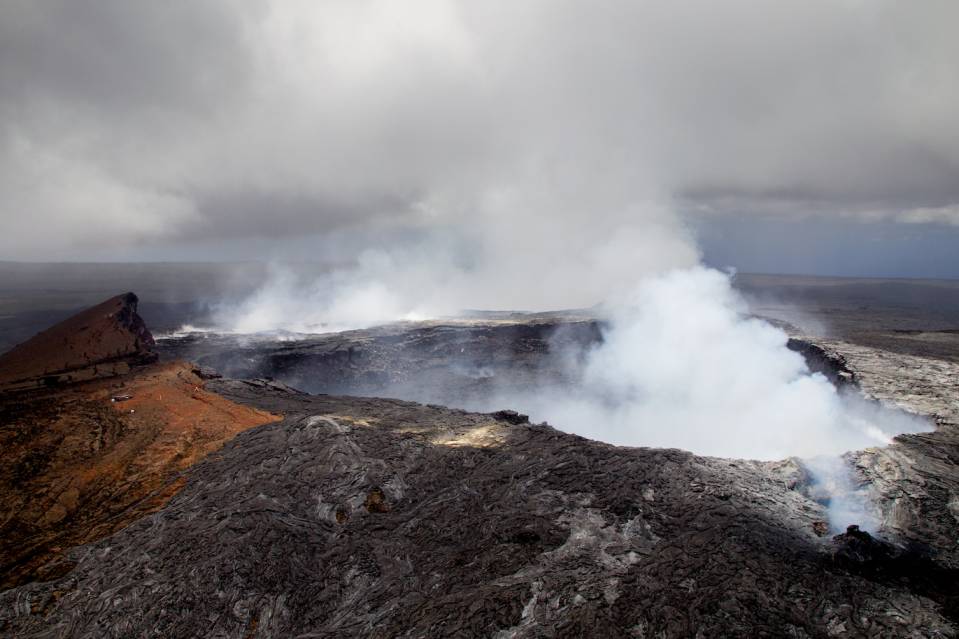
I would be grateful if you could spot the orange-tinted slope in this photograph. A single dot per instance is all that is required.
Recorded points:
(78, 466)
(99, 342)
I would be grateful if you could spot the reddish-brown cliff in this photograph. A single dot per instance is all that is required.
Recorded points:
(84, 456)
(102, 341)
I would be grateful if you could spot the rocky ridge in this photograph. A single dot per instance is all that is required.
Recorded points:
(94, 436)
(103, 341)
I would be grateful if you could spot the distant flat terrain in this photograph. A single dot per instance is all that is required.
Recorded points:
(919, 317)
(912, 317)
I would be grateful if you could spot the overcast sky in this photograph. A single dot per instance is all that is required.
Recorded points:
(801, 135)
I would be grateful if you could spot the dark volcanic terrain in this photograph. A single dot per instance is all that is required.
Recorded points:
(459, 362)
(94, 435)
(169, 502)
(385, 518)
(466, 363)
(911, 317)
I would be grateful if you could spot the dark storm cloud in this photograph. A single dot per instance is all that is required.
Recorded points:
(126, 123)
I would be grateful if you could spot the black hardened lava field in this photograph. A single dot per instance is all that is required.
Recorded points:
(358, 510)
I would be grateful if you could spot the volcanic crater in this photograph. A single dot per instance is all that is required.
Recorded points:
(162, 498)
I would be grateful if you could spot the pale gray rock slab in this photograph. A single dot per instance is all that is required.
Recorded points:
(916, 479)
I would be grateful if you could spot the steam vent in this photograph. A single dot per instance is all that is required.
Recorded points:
(146, 498)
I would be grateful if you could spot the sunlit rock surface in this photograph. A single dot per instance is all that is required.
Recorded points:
(916, 480)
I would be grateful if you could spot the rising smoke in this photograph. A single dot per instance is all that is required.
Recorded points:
(537, 152)
(681, 364)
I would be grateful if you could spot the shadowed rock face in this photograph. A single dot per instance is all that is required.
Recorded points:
(102, 341)
(461, 363)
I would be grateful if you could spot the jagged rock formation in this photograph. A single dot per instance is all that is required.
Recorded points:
(910, 566)
(825, 362)
(102, 341)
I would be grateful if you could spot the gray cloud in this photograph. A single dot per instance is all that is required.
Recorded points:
(128, 123)
(118, 58)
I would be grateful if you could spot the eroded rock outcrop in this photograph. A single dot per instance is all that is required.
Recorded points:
(102, 341)
(93, 436)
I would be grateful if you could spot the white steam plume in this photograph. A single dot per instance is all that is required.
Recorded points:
(537, 155)
(683, 365)
(522, 249)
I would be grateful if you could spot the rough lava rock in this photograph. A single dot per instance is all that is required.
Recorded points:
(375, 517)
(916, 479)
(385, 518)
